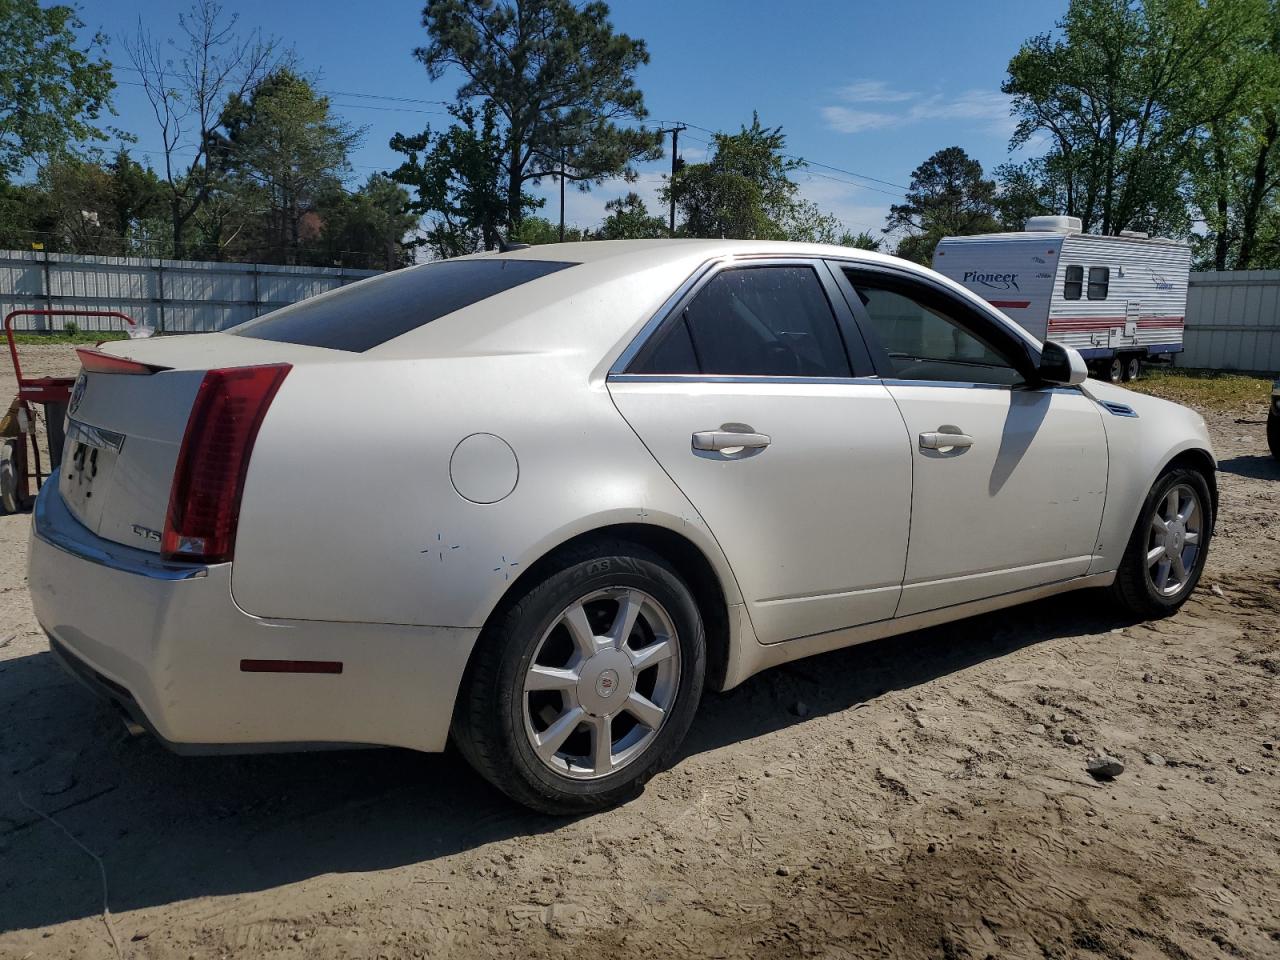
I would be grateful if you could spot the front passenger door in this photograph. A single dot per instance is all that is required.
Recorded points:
(1009, 478)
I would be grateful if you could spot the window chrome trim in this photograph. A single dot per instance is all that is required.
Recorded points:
(651, 326)
(53, 524)
(735, 378)
(699, 278)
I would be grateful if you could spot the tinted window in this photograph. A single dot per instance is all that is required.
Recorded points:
(925, 343)
(365, 315)
(1074, 282)
(1099, 281)
(770, 321)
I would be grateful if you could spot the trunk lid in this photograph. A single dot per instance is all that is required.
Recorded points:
(124, 431)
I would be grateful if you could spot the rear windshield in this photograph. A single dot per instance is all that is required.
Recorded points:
(362, 316)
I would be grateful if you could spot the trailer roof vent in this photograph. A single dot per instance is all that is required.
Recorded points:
(1135, 234)
(1053, 225)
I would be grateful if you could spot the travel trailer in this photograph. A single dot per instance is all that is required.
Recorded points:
(1119, 300)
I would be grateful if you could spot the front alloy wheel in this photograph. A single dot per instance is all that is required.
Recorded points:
(1173, 545)
(1167, 550)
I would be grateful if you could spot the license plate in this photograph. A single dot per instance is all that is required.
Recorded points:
(89, 455)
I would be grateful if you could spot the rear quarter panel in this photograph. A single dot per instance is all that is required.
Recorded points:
(349, 512)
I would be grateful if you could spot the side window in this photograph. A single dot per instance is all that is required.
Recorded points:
(1099, 282)
(924, 342)
(767, 321)
(1074, 284)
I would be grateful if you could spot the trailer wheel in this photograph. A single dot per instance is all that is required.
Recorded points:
(8, 477)
(1115, 369)
(1132, 368)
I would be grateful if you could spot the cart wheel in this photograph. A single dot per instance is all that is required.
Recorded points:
(8, 477)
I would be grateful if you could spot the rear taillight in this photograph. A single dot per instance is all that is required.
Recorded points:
(204, 502)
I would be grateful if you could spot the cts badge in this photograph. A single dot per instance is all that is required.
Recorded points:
(146, 533)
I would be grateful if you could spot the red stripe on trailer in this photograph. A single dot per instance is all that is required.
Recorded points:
(1016, 304)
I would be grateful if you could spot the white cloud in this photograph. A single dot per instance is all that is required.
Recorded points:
(987, 108)
(872, 91)
(850, 120)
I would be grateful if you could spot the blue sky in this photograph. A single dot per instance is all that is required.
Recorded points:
(867, 87)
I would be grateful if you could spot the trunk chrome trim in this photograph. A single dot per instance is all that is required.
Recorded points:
(53, 523)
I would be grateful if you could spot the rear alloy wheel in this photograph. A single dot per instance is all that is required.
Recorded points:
(602, 682)
(583, 686)
(1132, 368)
(1167, 551)
(1115, 370)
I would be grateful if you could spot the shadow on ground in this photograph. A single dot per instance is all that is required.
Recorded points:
(1257, 468)
(172, 828)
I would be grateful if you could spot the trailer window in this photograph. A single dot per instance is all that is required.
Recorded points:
(1075, 282)
(1099, 281)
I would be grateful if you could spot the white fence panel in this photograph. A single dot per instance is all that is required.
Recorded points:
(1233, 321)
(175, 296)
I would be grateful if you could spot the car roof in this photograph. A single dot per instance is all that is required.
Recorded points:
(673, 250)
(594, 308)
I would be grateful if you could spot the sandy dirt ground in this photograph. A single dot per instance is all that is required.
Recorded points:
(924, 796)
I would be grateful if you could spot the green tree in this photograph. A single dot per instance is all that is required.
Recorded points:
(628, 218)
(1235, 166)
(948, 196)
(561, 82)
(370, 227)
(52, 91)
(188, 81)
(1121, 92)
(458, 178)
(744, 191)
(284, 146)
(77, 205)
(863, 240)
(539, 230)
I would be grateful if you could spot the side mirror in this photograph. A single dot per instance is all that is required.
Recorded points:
(1062, 365)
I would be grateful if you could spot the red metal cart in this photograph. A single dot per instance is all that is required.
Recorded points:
(19, 443)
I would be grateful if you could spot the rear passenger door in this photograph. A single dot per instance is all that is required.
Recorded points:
(755, 393)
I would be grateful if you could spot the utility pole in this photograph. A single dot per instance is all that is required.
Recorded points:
(562, 164)
(676, 164)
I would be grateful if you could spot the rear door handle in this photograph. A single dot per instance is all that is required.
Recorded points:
(941, 440)
(721, 440)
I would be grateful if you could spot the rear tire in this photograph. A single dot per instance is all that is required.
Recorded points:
(1168, 547)
(1114, 369)
(537, 715)
(1132, 368)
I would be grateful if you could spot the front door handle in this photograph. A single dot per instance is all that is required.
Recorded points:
(943, 439)
(729, 440)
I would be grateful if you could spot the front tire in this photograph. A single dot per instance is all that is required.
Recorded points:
(1168, 547)
(583, 686)
(1132, 368)
(1115, 370)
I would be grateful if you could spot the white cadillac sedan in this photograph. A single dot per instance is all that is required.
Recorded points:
(538, 501)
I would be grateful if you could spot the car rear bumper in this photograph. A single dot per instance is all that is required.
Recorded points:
(167, 644)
